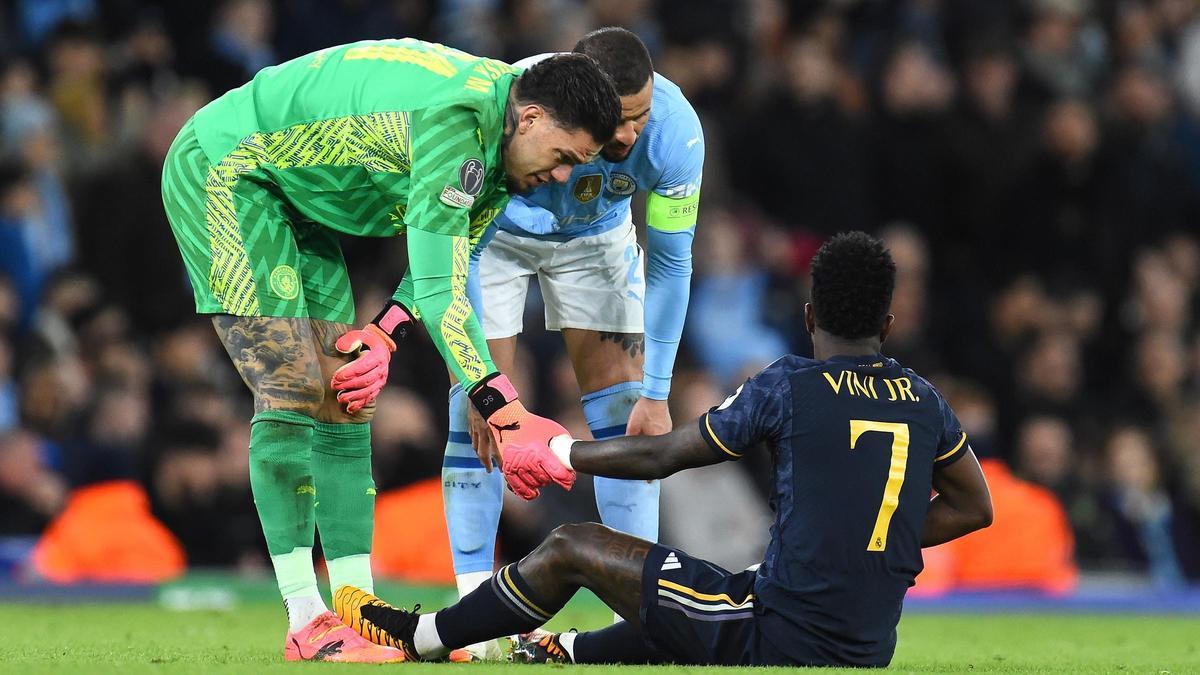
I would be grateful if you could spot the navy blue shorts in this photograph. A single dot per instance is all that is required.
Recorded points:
(697, 612)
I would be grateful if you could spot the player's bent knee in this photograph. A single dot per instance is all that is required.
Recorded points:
(571, 539)
(568, 549)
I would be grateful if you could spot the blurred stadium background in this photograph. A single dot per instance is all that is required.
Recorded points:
(1034, 167)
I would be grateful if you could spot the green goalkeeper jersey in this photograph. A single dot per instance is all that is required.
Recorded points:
(377, 138)
(372, 137)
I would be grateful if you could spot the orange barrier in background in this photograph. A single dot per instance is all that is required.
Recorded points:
(1028, 546)
(107, 534)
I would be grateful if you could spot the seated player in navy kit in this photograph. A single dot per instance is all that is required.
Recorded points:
(858, 444)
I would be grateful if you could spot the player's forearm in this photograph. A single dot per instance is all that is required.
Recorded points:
(963, 503)
(438, 274)
(945, 523)
(642, 457)
(668, 287)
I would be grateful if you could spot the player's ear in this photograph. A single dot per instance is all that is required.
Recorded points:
(810, 318)
(887, 327)
(528, 115)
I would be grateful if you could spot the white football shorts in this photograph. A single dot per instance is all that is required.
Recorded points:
(594, 283)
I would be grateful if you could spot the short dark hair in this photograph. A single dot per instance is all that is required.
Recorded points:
(621, 54)
(853, 276)
(573, 89)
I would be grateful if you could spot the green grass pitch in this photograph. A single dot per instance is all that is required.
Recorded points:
(148, 637)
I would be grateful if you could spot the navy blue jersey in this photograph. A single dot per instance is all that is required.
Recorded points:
(855, 442)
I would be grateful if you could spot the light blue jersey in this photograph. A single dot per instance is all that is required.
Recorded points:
(667, 159)
(667, 163)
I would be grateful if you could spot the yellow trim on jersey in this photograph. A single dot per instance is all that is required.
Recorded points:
(954, 449)
(716, 440)
(704, 596)
(513, 587)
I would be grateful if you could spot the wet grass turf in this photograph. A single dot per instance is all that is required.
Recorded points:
(248, 638)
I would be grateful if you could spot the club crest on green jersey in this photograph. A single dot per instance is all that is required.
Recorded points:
(285, 282)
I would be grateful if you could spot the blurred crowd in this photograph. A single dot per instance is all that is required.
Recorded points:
(1033, 165)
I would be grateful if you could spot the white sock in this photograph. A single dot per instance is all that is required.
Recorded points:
(301, 609)
(469, 581)
(426, 640)
(567, 640)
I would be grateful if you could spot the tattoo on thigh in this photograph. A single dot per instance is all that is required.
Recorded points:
(275, 358)
(327, 333)
(633, 343)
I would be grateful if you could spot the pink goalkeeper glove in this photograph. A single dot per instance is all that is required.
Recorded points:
(530, 467)
(514, 427)
(361, 380)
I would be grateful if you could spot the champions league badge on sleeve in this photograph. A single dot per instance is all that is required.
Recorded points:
(470, 176)
(621, 184)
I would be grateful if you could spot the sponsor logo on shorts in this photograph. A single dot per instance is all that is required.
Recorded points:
(452, 196)
(470, 176)
(285, 282)
(588, 187)
(622, 184)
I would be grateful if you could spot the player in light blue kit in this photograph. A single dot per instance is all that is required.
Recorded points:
(621, 323)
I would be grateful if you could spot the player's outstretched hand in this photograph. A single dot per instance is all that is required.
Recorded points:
(529, 467)
(361, 380)
(512, 427)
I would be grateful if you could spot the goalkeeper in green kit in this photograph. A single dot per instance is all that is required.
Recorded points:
(372, 139)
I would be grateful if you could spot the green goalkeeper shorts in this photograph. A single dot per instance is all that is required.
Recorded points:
(245, 251)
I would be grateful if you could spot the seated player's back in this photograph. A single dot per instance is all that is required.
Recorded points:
(855, 440)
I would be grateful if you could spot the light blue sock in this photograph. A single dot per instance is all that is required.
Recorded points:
(627, 505)
(472, 496)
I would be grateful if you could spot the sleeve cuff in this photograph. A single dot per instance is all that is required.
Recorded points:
(715, 444)
(953, 454)
(657, 388)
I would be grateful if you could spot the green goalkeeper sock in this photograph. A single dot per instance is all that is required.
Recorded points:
(341, 464)
(281, 478)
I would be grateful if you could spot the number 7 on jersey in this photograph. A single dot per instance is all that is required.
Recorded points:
(895, 480)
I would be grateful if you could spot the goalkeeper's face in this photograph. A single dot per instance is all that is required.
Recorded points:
(541, 150)
(635, 112)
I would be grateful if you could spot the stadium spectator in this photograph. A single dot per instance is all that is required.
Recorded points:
(1047, 456)
(31, 491)
(728, 289)
(204, 503)
(1150, 529)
